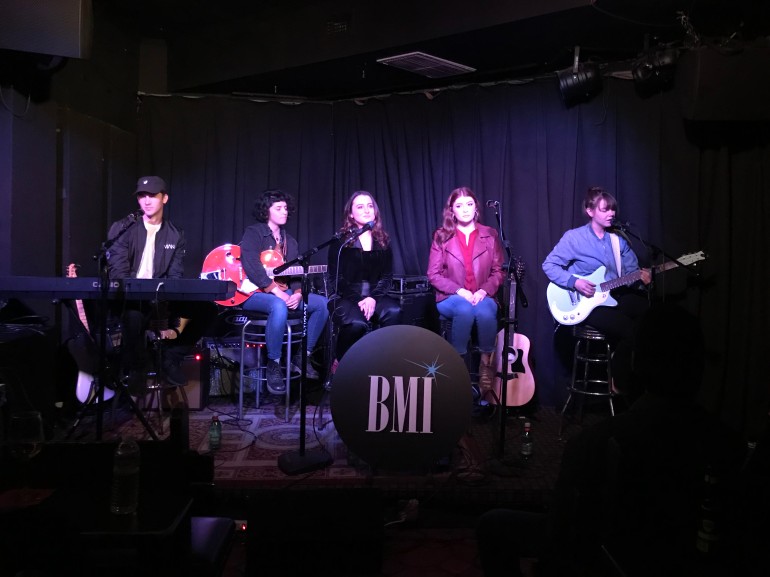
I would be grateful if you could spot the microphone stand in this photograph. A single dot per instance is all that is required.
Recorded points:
(500, 466)
(624, 228)
(303, 461)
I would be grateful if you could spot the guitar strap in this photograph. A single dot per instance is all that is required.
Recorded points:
(616, 251)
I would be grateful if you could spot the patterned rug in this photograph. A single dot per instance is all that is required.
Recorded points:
(485, 467)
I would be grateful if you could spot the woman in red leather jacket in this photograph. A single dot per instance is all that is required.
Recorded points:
(465, 270)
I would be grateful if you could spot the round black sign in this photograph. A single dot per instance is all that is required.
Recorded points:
(401, 397)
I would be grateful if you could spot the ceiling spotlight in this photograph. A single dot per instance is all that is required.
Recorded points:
(579, 83)
(654, 71)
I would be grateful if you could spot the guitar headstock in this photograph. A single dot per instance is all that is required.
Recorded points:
(692, 258)
(518, 264)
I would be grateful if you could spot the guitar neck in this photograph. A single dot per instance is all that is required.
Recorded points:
(82, 315)
(631, 278)
(298, 270)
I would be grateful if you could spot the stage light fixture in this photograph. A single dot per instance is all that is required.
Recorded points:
(579, 83)
(654, 71)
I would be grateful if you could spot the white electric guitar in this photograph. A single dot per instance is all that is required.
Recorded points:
(84, 350)
(569, 307)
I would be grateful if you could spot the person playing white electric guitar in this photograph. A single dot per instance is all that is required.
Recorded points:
(583, 250)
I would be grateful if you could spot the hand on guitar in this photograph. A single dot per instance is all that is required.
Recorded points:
(585, 287)
(646, 276)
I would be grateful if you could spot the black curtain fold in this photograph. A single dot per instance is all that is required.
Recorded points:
(684, 187)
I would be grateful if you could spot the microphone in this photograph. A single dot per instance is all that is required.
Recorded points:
(136, 215)
(359, 231)
(620, 225)
(492, 204)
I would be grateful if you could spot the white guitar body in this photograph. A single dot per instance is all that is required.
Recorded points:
(569, 307)
(86, 388)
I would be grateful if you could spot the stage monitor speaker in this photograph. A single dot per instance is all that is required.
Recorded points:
(727, 87)
(60, 28)
(327, 532)
(196, 367)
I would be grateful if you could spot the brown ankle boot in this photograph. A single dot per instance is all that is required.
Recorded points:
(486, 373)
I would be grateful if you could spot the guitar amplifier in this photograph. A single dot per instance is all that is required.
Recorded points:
(225, 360)
(409, 285)
(196, 369)
(418, 309)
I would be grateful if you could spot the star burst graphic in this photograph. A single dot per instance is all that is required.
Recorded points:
(431, 370)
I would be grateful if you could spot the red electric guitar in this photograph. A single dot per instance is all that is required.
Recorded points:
(520, 382)
(224, 263)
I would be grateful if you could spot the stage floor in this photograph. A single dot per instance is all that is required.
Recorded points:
(483, 470)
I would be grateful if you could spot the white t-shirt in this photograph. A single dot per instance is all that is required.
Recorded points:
(148, 256)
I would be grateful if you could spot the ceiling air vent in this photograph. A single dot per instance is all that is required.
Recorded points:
(426, 65)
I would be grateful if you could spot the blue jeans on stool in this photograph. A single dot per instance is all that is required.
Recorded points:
(277, 313)
(463, 315)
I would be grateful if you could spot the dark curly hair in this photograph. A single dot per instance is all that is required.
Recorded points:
(378, 232)
(447, 228)
(268, 198)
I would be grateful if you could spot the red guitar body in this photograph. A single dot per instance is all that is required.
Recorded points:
(224, 263)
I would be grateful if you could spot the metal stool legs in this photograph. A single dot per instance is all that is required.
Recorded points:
(253, 339)
(591, 369)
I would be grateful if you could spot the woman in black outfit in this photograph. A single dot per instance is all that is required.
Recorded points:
(361, 271)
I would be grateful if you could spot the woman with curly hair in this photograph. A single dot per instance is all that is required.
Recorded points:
(276, 296)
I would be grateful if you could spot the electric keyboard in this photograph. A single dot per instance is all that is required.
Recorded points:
(85, 288)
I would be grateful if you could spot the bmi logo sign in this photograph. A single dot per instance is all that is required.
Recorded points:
(401, 398)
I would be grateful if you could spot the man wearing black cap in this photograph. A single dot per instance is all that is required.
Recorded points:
(152, 247)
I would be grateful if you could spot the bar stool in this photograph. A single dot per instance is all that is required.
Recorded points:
(253, 340)
(591, 368)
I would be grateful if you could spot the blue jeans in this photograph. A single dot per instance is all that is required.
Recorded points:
(277, 313)
(463, 314)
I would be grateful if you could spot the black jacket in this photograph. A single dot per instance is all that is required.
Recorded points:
(125, 255)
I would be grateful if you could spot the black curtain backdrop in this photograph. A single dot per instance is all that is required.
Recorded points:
(684, 187)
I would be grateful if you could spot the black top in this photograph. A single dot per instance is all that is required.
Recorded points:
(361, 273)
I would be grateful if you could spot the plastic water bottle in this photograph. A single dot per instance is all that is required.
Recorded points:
(124, 493)
(527, 443)
(215, 433)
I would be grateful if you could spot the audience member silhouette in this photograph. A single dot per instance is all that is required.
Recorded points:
(628, 497)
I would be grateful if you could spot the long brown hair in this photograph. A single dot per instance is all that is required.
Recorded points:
(378, 231)
(447, 228)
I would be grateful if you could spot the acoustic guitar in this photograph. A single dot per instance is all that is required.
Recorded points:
(224, 263)
(520, 382)
(84, 350)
